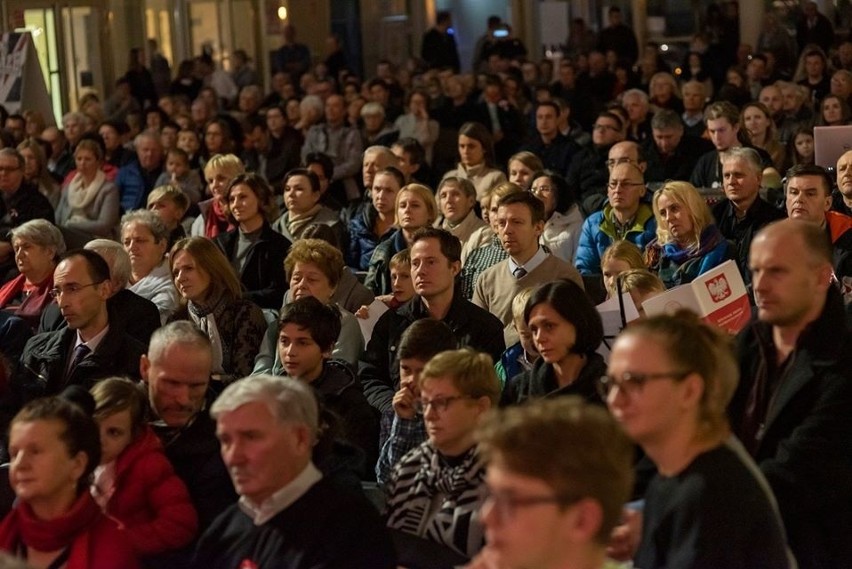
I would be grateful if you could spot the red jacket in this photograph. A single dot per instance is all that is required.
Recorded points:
(838, 224)
(150, 500)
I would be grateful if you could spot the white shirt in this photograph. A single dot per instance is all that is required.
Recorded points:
(283, 498)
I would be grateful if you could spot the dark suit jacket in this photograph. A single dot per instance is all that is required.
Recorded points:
(137, 316)
(263, 272)
(805, 445)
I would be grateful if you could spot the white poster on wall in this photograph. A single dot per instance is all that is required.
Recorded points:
(22, 86)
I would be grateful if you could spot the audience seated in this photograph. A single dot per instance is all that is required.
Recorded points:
(213, 218)
(688, 243)
(303, 200)
(563, 220)
(477, 159)
(456, 201)
(254, 250)
(375, 222)
(457, 388)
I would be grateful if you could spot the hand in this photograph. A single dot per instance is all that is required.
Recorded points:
(625, 537)
(403, 403)
(363, 313)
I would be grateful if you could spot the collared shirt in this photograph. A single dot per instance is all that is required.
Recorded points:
(530, 265)
(93, 343)
(283, 498)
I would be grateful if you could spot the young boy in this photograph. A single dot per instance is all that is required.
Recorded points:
(188, 141)
(558, 474)
(307, 332)
(521, 356)
(179, 173)
(171, 204)
(402, 289)
(402, 428)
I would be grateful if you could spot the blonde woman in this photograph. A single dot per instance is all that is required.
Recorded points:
(219, 171)
(416, 208)
(688, 242)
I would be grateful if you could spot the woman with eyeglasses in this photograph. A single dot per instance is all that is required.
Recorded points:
(688, 242)
(567, 331)
(564, 221)
(436, 490)
(669, 383)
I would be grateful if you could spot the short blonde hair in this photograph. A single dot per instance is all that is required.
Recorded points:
(519, 304)
(228, 164)
(171, 193)
(471, 372)
(425, 194)
(686, 195)
(626, 251)
(641, 280)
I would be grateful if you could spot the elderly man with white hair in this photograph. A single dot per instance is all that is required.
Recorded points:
(289, 515)
(136, 179)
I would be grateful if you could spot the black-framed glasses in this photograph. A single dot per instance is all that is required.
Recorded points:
(631, 383)
(506, 505)
(439, 404)
(71, 289)
(542, 190)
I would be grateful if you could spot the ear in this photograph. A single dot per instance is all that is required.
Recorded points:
(79, 463)
(483, 404)
(539, 228)
(455, 267)
(144, 366)
(584, 520)
(692, 390)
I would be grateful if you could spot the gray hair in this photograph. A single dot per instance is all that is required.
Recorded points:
(642, 95)
(289, 400)
(695, 83)
(40, 232)
(312, 102)
(748, 155)
(149, 134)
(665, 119)
(372, 108)
(181, 332)
(13, 152)
(116, 257)
(465, 185)
(149, 219)
(75, 116)
(254, 91)
(385, 151)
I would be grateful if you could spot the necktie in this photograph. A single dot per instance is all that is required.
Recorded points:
(80, 353)
(520, 273)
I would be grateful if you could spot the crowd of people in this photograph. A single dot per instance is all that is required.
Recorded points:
(353, 323)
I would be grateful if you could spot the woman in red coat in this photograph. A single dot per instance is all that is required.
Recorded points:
(135, 483)
(54, 448)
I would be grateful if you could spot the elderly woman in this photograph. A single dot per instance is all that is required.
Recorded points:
(254, 249)
(37, 245)
(35, 170)
(213, 217)
(213, 301)
(415, 209)
(688, 242)
(436, 490)
(314, 268)
(566, 330)
(89, 203)
(54, 447)
(669, 383)
(476, 153)
(456, 198)
(145, 238)
(302, 198)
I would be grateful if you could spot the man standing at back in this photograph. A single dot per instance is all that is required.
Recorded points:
(520, 220)
(792, 406)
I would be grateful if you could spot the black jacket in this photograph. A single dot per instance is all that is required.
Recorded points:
(679, 164)
(379, 369)
(263, 272)
(805, 445)
(43, 364)
(741, 232)
(540, 381)
(137, 316)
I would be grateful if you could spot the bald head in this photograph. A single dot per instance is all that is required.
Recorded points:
(772, 97)
(844, 175)
(626, 151)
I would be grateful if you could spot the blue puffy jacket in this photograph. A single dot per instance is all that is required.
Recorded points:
(599, 233)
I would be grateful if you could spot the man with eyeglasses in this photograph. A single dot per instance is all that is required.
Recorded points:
(792, 406)
(587, 173)
(624, 217)
(88, 349)
(19, 202)
(558, 474)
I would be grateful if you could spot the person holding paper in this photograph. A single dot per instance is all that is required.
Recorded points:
(688, 243)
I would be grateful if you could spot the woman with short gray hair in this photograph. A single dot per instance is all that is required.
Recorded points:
(37, 245)
(145, 238)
